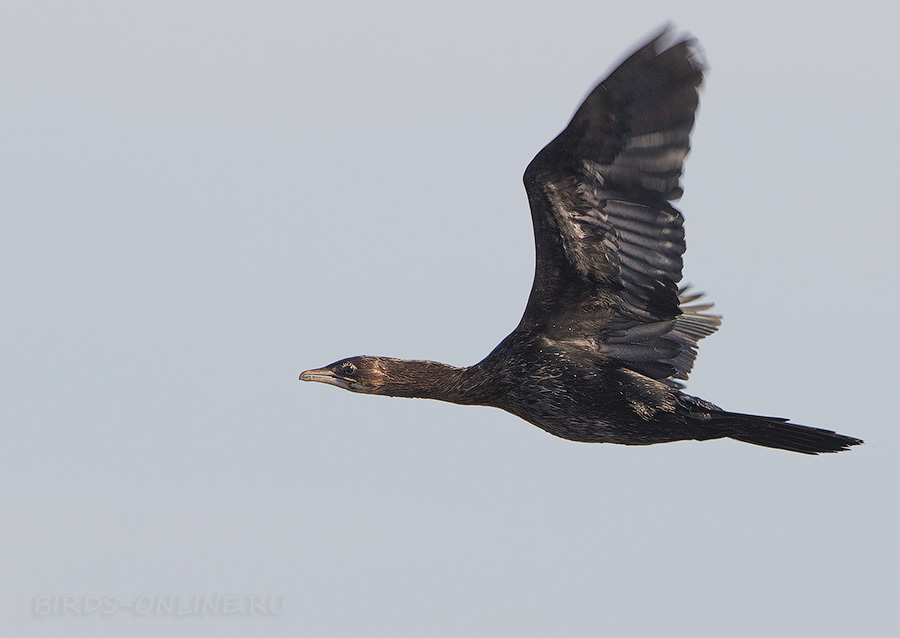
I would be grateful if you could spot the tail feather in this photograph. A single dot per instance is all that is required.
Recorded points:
(777, 433)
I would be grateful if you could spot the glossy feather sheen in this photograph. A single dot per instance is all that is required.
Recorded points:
(607, 334)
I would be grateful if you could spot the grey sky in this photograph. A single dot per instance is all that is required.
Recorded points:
(200, 200)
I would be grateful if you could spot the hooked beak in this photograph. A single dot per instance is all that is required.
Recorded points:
(324, 375)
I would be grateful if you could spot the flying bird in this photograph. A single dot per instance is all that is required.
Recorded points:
(607, 335)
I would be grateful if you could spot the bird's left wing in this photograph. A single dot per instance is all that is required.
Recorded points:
(609, 244)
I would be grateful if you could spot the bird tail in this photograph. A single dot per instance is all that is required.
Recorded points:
(777, 433)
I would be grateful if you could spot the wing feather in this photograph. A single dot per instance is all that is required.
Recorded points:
(609, 244)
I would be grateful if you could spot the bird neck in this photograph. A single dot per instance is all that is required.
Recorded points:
(434, 380)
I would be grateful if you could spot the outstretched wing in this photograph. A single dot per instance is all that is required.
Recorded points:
(608, 242)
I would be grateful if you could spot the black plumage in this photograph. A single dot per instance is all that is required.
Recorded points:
(607, 335)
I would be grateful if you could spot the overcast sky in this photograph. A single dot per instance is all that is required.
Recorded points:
(201, 199)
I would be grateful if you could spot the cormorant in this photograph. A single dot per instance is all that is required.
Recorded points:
(607, 334)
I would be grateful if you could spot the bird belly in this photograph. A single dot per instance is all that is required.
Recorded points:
(597, 416)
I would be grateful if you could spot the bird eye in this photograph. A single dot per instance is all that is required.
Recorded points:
(346, 369)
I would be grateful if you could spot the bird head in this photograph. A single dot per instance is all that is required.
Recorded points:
(357, 374)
